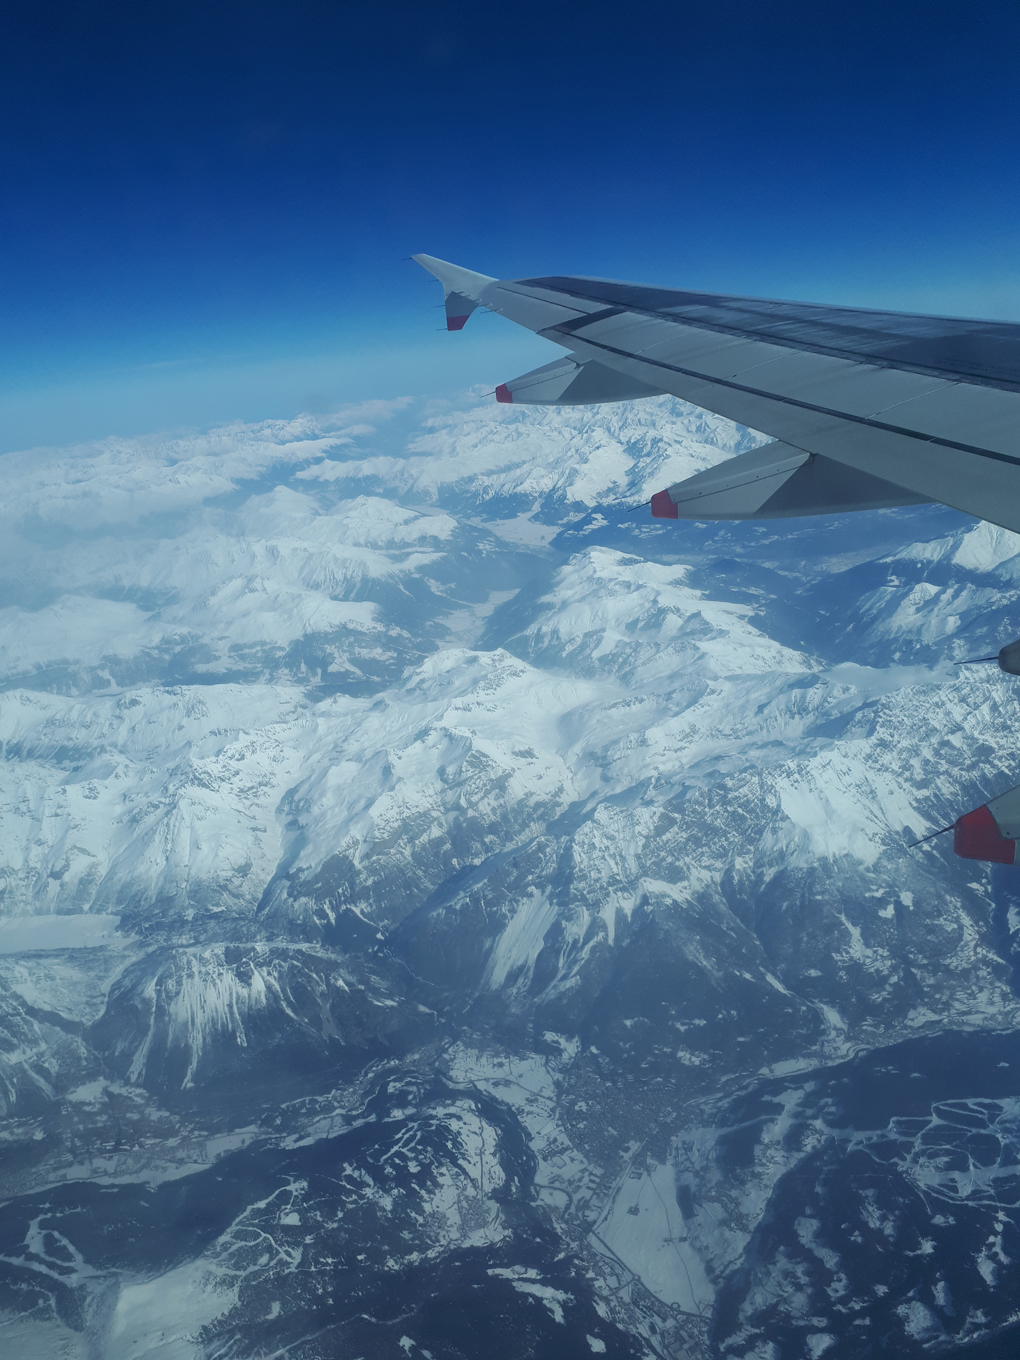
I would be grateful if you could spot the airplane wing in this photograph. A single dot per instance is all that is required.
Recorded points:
(880, 408)
(865, 409)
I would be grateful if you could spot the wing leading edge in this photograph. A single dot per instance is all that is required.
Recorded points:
(927, 406)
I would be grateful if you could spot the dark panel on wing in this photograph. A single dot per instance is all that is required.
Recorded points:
(986, 352)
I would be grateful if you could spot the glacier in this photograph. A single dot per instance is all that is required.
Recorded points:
(443, 913)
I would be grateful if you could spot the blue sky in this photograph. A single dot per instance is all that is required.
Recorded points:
(206, 206)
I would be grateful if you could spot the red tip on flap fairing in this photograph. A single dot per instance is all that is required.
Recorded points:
(455, 323)
(977, 836)
(504, 394)
(663, 507)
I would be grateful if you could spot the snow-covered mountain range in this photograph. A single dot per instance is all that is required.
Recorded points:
(443, 913)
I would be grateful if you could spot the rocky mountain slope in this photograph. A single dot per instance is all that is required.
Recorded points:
(445, 914)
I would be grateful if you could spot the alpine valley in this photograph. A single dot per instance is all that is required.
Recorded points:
(445, 915)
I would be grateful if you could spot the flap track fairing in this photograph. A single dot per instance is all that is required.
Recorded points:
(572, 382)
(777, 481)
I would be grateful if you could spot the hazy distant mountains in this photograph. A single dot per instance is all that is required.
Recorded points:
(446, 915)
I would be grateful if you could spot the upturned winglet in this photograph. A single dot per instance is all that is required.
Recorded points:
(462, 288)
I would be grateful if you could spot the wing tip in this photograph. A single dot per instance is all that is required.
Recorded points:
(454, 277)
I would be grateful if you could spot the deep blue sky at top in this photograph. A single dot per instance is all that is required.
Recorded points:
(203, 206)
